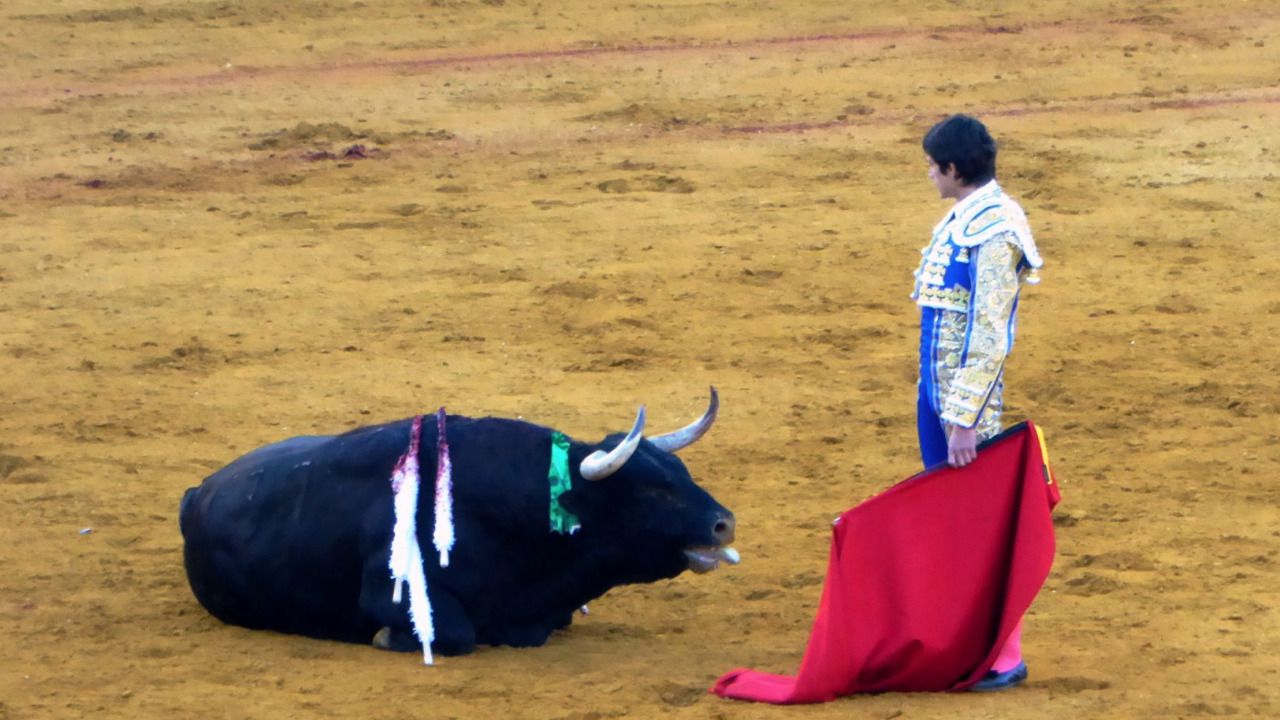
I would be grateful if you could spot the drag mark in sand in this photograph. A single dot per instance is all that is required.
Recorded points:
(248, 74)
(1110, 105)
(225, 174)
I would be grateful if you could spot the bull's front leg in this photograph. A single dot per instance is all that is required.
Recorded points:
(454, 633)
(529, 633)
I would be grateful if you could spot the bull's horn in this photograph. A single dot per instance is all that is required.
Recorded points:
(600, 464)
(683, 438)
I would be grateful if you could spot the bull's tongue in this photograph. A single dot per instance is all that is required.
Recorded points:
(706, 559)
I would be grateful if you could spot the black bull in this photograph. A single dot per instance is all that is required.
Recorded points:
(295, 536)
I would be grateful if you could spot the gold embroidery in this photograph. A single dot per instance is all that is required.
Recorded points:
(934, 260)
(975, 387)
(933, 275)
(984, 221)
(956, 298)
(991, 233)
(939, 254)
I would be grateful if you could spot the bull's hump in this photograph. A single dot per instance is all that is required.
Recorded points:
(295, 449)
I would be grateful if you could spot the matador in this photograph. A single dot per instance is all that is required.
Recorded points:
(967, 288)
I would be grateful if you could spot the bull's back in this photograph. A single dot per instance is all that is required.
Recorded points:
(272, 540)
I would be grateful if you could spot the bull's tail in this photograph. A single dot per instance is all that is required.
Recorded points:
(184, 509)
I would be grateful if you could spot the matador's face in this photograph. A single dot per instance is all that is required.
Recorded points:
(947, 180)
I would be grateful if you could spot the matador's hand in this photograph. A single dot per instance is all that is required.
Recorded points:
(962, 445)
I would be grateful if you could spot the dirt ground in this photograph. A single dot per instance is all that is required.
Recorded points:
(222, 224)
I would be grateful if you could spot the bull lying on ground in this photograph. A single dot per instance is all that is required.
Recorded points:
(295, 536)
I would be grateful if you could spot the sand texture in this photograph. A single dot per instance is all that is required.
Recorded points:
(223, 224)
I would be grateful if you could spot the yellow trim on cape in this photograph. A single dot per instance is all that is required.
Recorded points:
(1044, 455)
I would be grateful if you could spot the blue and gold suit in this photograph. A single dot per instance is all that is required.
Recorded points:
(967, 289)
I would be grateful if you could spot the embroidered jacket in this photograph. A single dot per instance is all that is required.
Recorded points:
(967, 289)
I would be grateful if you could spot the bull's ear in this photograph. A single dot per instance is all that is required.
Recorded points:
(686, 436)
(600, 464)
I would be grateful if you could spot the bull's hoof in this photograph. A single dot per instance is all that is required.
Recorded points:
(396, 640)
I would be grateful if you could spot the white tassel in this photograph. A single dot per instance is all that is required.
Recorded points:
(404, 484)
(405, 562)
(442, 536)
(420, 606)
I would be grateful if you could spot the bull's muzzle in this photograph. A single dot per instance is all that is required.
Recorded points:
(708, 557)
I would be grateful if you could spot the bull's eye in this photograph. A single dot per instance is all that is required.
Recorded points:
(663, 492)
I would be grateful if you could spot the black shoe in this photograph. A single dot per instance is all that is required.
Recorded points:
(993, 680)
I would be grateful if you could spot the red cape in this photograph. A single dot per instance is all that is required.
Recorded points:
(926, 580)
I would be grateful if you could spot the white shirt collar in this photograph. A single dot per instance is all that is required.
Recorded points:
(982, 194)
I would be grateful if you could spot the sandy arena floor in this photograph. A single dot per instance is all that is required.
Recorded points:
(226, 223)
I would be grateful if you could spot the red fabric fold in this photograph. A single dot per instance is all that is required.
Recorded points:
(926, 580)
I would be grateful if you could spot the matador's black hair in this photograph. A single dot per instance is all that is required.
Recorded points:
(963, 141)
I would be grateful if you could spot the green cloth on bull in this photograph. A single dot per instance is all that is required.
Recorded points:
(562, 521)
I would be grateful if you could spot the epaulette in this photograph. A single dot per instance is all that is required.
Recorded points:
(994, 216)
(984, 224)
(985, 220)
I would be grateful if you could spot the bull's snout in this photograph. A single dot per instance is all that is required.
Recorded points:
(705, 558)
(722, 530)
